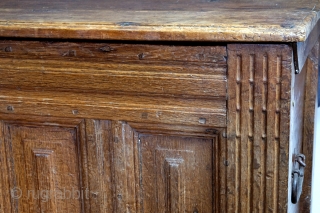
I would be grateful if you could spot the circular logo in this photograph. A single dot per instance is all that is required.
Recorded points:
(16, 193)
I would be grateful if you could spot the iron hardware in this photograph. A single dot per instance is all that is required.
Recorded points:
(297, 177)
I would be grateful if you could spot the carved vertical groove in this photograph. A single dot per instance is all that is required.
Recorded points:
(250, 128)
(259, 78)
(44, 165)
(172, 171)
(238, 131)
(277, 133)
(251, 95)
(278, 89)
(264, 131)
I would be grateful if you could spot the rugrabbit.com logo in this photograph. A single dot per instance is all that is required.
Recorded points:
(46, 195)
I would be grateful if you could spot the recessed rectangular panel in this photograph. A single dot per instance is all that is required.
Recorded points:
(176, 173)
(43, 168)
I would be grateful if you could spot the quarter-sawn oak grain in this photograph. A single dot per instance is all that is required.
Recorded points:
(156, 106)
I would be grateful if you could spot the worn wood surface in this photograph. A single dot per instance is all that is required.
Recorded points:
(178, 172)
(308, 125)
(40, 169)
(123, 104)
(303, 49)
(104, 166)
(181, 85)
(259, 84)
(298, 93)
(156, 126)
(137, 69)
(186, 20)
(194, 112)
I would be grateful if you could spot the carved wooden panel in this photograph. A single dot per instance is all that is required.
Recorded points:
(177, 174)
(259, 79)
(72, 165)
(42, 165)
(54, 165)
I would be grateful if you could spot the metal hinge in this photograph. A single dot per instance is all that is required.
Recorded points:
(297, 177)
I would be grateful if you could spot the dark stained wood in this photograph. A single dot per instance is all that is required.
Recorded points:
(258, 127)
(185, 20)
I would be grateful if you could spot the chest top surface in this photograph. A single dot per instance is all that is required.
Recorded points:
(167, 20)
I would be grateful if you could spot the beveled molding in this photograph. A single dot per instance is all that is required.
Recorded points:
(142, 128)
(98, 144)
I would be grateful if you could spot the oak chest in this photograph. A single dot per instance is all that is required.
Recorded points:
(146, 106)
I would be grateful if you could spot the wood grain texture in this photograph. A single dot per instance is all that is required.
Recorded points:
(109, 165)
(42, 169)
(296, 126)
(163, 70)
(185, 20)
(177, 174)
(56, 165)
(259, 79)
(97, 165)
(303, 49)
(177, 130)
(308, 127)
(194, 112)
(124, 166)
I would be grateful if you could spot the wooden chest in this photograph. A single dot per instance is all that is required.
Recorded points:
(147, 106)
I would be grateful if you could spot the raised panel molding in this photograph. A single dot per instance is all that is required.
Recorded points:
(174, 185)
(171, 177)
(259, 79)
(114, 167)
(55, 165)
(178, 174)
(42, 163)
